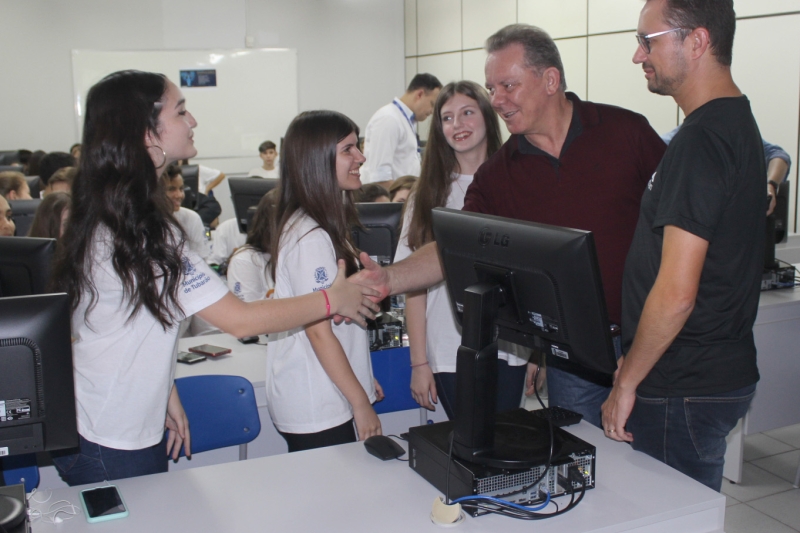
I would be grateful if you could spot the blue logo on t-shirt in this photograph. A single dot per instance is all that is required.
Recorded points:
(188, 267)
(321, 275)
(237, 288)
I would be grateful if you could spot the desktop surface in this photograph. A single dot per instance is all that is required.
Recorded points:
(345, 489)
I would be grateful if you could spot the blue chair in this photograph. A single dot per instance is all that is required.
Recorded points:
(221, 410)
(21, 469)
(392, 369)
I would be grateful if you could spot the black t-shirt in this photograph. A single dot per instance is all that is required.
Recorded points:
(711, 184)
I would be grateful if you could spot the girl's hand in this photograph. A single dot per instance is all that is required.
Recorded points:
(351, 300)
(423, 387)
(367, 422)
(178, 426)
(379, 395)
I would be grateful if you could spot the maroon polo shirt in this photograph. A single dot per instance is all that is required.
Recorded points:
(596, 184)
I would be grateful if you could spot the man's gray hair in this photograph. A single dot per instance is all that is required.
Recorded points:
(541, 51)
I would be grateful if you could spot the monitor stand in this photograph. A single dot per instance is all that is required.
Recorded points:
(477, 437)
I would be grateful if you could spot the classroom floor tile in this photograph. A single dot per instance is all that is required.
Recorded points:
(783, 465)
(783, 507)
(760, 445)
(744, 519)
(756, 483)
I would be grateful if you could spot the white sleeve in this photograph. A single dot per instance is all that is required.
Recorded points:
(200, 287)
(403, 249)
(311, 264)
(381, 140)
(206, 175)
(248, 276)
(195, 233)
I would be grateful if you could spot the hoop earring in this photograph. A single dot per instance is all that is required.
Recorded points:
(164, 162)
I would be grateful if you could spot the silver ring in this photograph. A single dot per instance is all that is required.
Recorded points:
(611, 431)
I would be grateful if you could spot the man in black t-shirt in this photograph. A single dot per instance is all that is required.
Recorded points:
(692, 277)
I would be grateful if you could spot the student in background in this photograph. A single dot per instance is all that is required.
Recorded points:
(190, 221)
(249, 276)
(13, 186)
(131, 280)
(7, 226)
(61, 181)
(32, 168)
(372, 193)
(401, 188)
(226, 238)
(319, 377)
(391, 141)
(51, 216)
(464, 133)
(268, 153)
(48, 166)
(207, 177)
(75, 151)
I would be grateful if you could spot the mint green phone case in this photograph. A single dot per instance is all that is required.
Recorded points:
(105, 517)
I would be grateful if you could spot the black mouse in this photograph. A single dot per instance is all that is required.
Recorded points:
(383, 447)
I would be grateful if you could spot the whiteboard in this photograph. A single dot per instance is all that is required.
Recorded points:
(254, 100)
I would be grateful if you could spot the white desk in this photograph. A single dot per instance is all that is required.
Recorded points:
(777, 400)
(344, 489)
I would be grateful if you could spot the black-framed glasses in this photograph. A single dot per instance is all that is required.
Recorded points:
(644, 40)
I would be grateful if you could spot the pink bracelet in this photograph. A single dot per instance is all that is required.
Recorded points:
(419, 364)
(327, 303)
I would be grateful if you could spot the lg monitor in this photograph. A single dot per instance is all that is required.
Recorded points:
(37, 392)
(531, 284)
(246, 193)
(380, 230)
(25, 265)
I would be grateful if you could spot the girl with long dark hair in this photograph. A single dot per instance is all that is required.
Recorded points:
(464, 133)
(319, 378)
(131, 279)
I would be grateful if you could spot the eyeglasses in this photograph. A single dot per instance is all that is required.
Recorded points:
(644, 40)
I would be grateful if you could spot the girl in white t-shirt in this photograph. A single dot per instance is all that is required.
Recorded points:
(464, 132)
(131, 278)
(249, 268)
(319, 377)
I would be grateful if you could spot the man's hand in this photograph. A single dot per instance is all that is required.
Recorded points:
(372, 276)
(616, 410)
(529, 377)
(423, 387)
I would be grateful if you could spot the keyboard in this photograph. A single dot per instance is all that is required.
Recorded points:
(559, 416)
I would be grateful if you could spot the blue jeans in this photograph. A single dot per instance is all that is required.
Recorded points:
(510, 382)
(578, 389)
(92, 463)
(688, 433)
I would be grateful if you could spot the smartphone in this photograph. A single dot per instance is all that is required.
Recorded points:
(103, 503)
(190, 358)
(210, 350)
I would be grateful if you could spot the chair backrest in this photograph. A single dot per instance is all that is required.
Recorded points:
(222, 411)
(21, 469)
(392, 369)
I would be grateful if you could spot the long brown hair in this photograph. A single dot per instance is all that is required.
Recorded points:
(439, 162)
(309, 182)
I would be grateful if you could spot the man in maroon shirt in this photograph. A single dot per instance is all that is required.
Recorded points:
(567, 163)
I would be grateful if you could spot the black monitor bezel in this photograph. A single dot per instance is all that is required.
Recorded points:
(246, 193)
(35, 255)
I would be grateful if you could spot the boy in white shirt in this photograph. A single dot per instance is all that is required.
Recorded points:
(268, 153)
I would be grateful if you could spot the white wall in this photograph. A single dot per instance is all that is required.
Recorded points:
(350, 53)
(596, 41)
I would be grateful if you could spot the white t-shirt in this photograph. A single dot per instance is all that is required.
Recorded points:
(225, 239)
(124, 368)
(206, 175)
(248, 275)
(443, 332)
(300, 395)
(195, 231)
(390, 144)
(260, 172)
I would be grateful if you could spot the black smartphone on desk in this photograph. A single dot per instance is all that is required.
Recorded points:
(189, 358)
